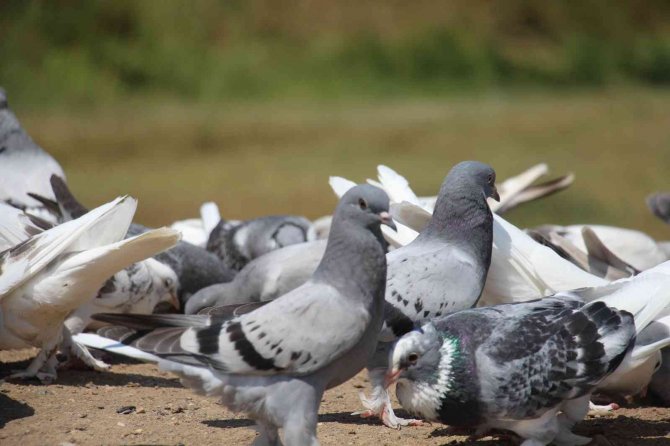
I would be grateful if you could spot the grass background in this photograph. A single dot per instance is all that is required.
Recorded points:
(253, 104)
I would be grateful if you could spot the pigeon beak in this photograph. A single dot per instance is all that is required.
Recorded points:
(391, 377)
(174, 301)
(387, 220)
(494, 194)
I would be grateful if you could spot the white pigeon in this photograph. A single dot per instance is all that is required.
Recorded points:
(46, 277)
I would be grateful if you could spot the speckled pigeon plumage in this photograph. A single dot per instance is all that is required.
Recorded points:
(515, 366)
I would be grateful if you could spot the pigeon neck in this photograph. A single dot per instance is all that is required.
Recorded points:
(464, 220)
(354, 260)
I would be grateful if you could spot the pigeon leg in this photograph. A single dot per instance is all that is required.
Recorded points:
(595, 409)
(535, 432)
(300, 425)
(82, 352)
(379, 405)
(573, 411)
(45, 359)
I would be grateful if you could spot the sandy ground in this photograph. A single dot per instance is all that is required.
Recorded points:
(83, 408)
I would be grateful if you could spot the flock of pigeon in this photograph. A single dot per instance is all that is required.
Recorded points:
(477, 323)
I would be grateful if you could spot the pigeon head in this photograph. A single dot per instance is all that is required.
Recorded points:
(421, 364)
(366, 205)
(472, 175)
(165, 284)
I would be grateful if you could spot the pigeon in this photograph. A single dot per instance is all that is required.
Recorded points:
(529, 367)
(264, 278)
(659, 205)
(24, 166)
(441, 271)
(238, 242)
(47, 276)
(194, 267)
(275, 362)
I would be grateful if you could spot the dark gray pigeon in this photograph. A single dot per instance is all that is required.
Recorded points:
(238, 242)
(659, 204)
(530, 367)
(24, 166)
(275, 362)
(443, 270)
(194, 267)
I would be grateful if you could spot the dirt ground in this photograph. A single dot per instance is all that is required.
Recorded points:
(83, 408)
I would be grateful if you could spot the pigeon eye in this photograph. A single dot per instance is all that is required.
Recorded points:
(362, 204)
(413, 358)
(168, 282)
(491, 179)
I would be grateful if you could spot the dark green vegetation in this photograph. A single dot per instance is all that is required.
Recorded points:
(93, 51)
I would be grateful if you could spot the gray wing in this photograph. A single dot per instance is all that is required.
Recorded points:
(426, 282)
(279, 337)
(543, 352)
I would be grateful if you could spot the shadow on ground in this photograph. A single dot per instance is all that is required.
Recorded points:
(78, 377)
(13, 410)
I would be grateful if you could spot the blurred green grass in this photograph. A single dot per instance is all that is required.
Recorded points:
(268, 158)
(87, 52)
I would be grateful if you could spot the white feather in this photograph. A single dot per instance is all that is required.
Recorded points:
(210, 215)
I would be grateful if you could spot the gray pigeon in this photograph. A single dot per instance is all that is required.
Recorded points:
(194, 267)
(264, 278)
(238, 242)
(659, 204)
(443, 270)
(24, 166)
(275, 362)
(516, 366)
